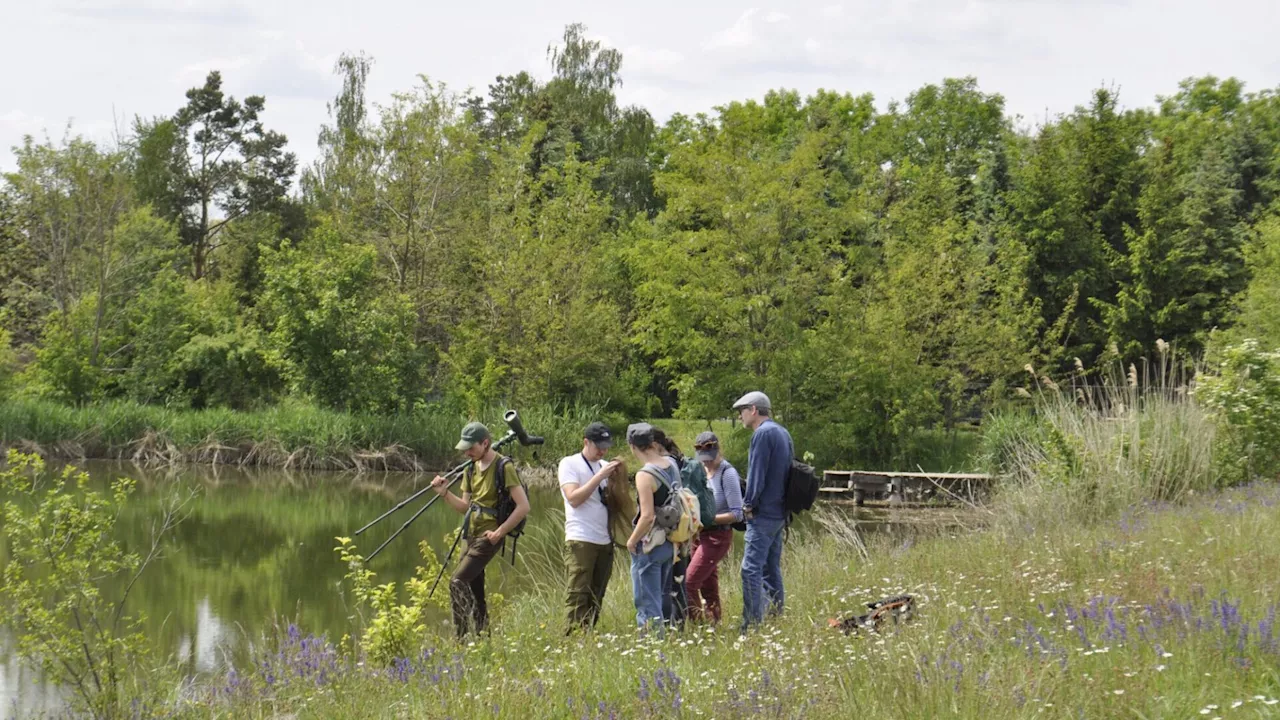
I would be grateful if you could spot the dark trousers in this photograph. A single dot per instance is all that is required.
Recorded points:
(589, 567)
(675, 606)
(466, 588)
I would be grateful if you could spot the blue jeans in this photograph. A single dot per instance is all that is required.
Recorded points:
(649, 574)
(762, 570)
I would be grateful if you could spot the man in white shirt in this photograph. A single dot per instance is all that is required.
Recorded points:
(588, 554)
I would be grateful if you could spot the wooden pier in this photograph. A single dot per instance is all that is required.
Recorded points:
(899, 487)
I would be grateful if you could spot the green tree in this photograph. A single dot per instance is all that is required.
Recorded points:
(22, 301)
(1259, 304)
(578, 115)
(960, 297)
(1073, 200)
(544, 324)
(211, 164)
(94, 250)
(68, 200)
(730, 273)
(339, 337)
(426, 176)
(332, 184)
(954, 125)
(191, 346)
(1187, 263)
(1242, 389)
(86, 352)
(8, 361)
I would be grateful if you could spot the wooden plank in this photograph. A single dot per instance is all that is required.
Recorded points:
(898, 486)
(878, 474)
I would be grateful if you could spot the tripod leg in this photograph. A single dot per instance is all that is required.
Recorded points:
(409, 522)
(403, 527)
(445, 564)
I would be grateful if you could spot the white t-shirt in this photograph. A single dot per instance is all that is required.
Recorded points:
(589, 522)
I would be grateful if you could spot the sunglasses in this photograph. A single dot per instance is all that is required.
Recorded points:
(706, 446)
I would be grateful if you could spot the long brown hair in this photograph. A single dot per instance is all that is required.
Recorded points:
(668, 445)
(621, 504)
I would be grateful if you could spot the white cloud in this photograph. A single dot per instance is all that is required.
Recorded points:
(15, 123)
(279, 69)
(194, 73)
(737, 35)
(642, 61)
(161, 12)
(294, 72)
(127, 57)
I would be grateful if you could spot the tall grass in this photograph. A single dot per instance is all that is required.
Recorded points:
(291, 435)
(1088, 453)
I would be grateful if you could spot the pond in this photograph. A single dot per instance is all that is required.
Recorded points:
(255, 550)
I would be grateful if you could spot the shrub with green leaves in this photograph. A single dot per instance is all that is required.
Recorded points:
(63, 555)
(1243, 393)
(394, 630)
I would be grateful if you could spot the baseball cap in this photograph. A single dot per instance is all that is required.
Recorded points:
(473, 433)
(707, 445)
(599, 435)
(640, 434)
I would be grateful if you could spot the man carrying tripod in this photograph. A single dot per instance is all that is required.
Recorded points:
(480, 529)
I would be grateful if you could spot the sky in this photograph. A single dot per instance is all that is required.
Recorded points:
(94, 65)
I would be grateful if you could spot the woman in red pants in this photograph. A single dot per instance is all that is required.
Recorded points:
(702, 580)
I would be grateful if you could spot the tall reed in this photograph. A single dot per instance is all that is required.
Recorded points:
(292, 434)
(1090, 451)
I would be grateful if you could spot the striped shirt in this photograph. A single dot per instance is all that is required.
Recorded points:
(726, 486)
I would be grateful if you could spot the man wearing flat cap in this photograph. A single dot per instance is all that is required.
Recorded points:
(588, 551)
(480, 529)
(768, 464)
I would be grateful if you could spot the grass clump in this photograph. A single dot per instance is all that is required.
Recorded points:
(1090, 452)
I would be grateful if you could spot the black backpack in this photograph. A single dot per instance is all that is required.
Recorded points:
(801, 489)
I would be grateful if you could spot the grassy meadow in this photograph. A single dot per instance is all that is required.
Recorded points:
(1166, 612)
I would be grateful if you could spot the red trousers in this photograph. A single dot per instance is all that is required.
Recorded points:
(702, 580)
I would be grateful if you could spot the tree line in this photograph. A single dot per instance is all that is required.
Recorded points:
(875, 270)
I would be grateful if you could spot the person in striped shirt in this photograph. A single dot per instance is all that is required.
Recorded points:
(702, 580)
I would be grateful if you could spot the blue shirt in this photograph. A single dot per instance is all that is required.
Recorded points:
(768, 464)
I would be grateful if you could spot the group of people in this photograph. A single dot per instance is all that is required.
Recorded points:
(669, 584)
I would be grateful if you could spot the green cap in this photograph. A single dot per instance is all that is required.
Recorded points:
(471, 434)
